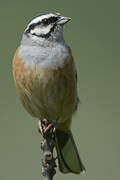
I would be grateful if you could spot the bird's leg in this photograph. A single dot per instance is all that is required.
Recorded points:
(44, 126)
(48, 128)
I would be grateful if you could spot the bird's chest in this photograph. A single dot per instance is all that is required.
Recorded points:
(46, 91)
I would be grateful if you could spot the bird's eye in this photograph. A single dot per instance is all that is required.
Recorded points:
(45, 21)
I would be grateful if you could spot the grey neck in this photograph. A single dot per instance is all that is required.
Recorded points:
(30, 40)
(44, 53)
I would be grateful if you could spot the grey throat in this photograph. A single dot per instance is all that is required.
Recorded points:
(44, 53)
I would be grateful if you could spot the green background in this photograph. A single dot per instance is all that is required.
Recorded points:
(94, 36)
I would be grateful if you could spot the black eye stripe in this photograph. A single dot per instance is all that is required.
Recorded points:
(53, 19)
(50, 20)
(45, 21)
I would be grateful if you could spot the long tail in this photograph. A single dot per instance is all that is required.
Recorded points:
(68, 157)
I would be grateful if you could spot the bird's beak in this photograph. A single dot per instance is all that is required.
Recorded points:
(63, 20)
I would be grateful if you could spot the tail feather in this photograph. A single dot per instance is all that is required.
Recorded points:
(68, 157)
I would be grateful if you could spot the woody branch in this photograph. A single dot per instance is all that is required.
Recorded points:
(48, 162)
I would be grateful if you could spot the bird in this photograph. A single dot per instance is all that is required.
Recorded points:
(45, 77)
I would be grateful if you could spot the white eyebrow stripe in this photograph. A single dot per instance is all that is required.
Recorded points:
(40, 18)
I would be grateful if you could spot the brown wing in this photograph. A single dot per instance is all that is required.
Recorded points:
(76, 78)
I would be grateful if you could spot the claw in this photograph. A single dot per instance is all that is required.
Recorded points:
(54, 129)
(44, 126)
(40, 127)
(48, 128)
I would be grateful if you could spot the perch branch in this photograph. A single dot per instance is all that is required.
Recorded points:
(47, 129)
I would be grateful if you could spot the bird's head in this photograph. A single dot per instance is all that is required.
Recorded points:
(46, 27)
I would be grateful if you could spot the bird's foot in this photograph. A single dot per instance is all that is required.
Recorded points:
(40, 127)
(45, 126)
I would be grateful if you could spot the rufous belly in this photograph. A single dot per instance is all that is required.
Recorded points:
(46, 92)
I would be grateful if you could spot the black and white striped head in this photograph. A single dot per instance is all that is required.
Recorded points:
(46, 26)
